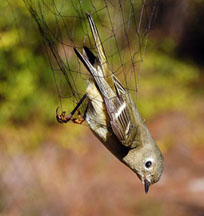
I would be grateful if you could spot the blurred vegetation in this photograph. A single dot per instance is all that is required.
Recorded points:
(173, 75)
(26, 82)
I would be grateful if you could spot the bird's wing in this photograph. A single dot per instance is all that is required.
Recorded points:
(97, 73)
(123, 120)
(119, 111)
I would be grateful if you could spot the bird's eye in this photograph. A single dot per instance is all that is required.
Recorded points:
(148, 164)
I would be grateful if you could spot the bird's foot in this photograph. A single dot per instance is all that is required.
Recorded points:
(63, 118)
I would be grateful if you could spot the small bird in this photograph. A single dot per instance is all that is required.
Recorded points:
(113, 116)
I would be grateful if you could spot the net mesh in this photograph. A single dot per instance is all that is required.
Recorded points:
(123, 26)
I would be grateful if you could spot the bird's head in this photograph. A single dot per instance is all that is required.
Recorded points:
(147, 162)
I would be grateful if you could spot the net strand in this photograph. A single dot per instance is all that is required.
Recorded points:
(124, 28)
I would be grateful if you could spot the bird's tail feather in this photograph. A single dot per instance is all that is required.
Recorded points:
(100, 50)
(97, 75)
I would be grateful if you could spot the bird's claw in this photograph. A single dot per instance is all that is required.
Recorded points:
(62, 118)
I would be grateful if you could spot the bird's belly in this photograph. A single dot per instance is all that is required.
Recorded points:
(96, 114)
(99, 122)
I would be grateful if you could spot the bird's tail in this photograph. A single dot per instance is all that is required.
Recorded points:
(98, 66)
(103, 61)
(97, 74)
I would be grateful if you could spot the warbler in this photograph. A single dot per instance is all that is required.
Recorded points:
(113, 116)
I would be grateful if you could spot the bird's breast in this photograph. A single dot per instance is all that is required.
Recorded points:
(99, 122)
(96, 114)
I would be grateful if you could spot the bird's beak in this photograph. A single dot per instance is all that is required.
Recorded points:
(146, 185)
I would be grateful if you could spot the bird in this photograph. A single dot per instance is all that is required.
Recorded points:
(113, 116)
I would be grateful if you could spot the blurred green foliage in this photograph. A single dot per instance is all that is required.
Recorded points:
(166, 85)
(26, 82)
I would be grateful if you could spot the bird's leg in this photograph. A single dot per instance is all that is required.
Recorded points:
(63, 118)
